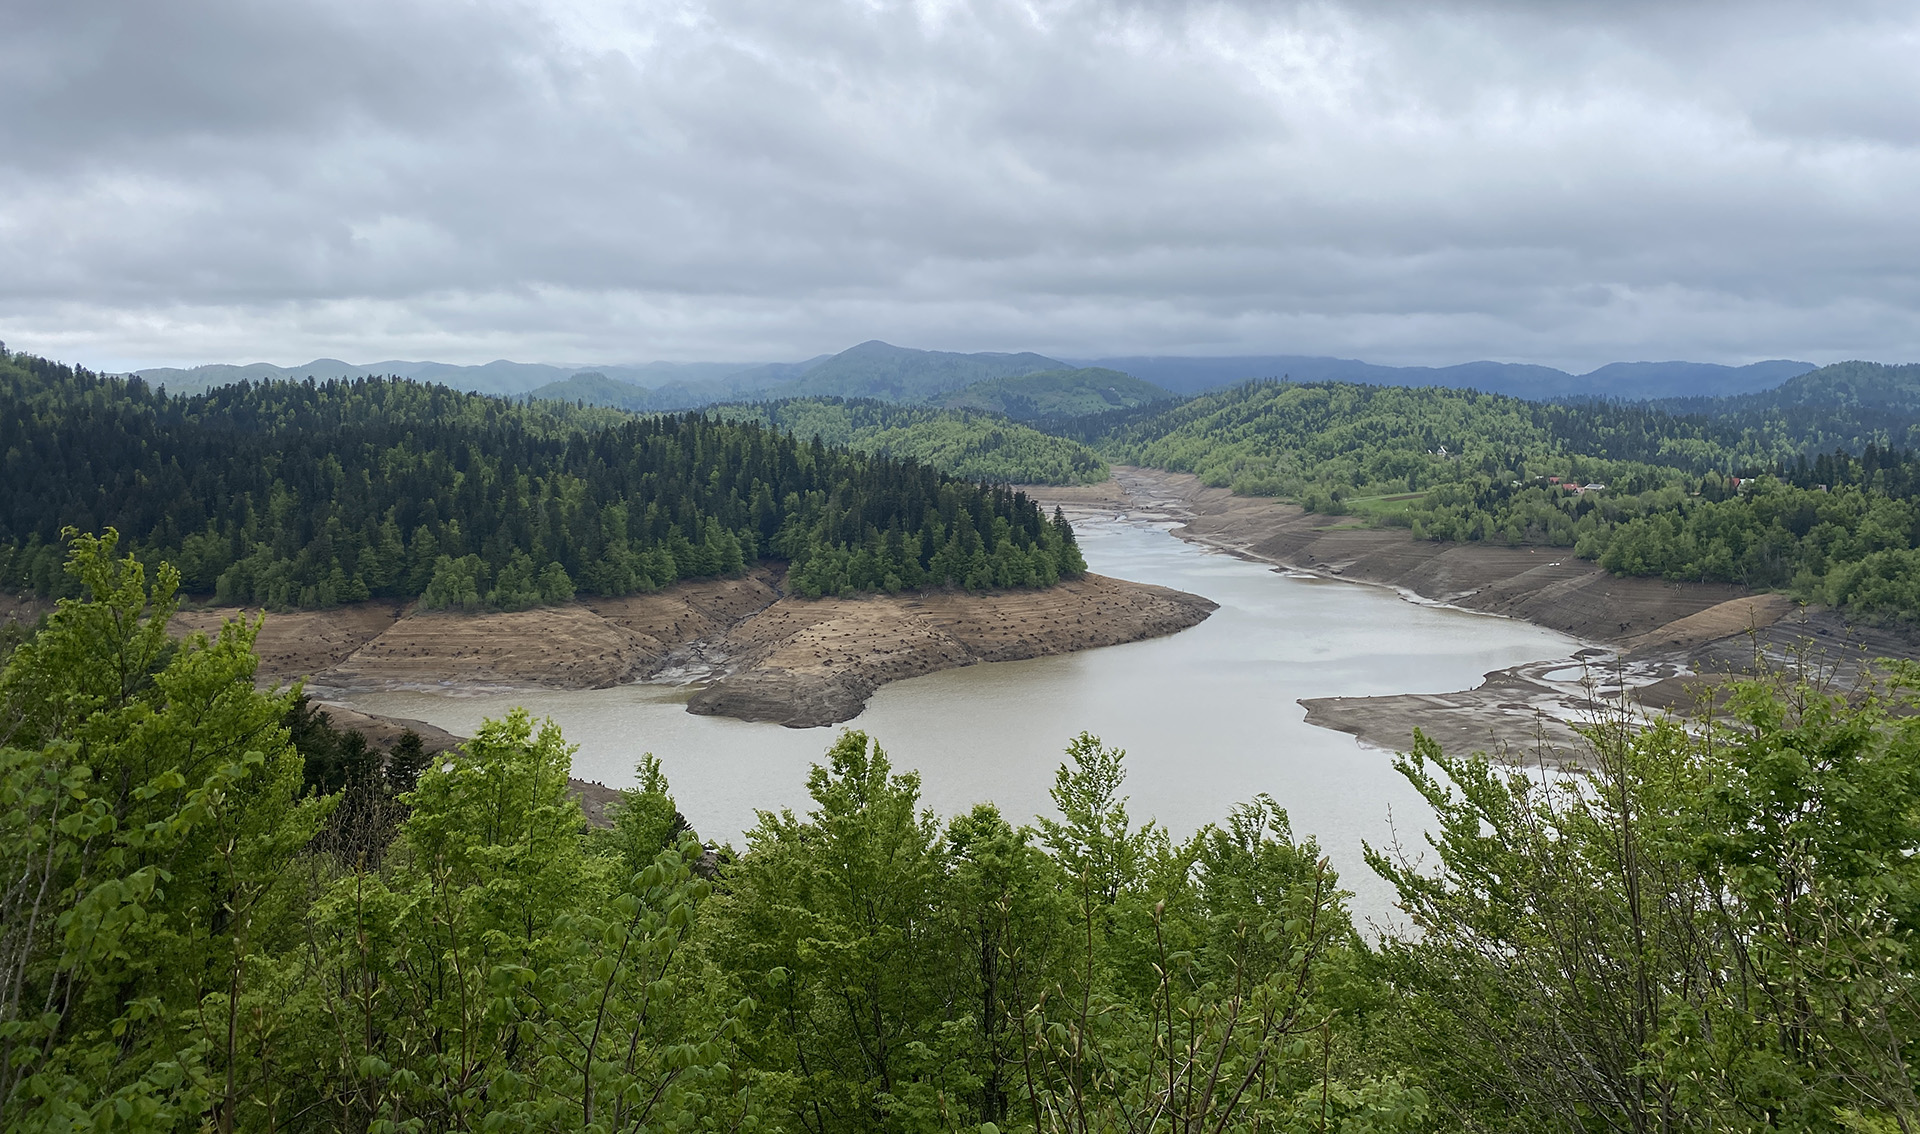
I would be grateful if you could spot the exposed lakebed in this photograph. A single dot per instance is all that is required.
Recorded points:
(1209, 716)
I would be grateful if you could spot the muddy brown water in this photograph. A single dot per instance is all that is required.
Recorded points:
(1209, 717)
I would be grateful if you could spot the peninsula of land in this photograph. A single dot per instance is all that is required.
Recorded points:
(759, 653)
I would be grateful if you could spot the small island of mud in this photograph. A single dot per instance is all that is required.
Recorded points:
(758, 653)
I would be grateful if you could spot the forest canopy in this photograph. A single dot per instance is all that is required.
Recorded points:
(293, 494)
(217, 916)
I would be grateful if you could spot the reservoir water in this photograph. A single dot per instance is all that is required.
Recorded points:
(1209, 717)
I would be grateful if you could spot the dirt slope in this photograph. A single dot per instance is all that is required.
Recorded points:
(763, 654)
(811, 663)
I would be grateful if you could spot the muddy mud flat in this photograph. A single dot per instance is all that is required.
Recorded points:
(1652, 645)
(757, 653)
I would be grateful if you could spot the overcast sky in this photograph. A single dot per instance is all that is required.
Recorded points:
(1565, 182)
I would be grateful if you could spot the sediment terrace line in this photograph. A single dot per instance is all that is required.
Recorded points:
(770, 656)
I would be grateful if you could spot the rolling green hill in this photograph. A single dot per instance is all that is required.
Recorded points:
(596, 389)
(899, 374)
(1813, 488)
(871, 370)
(499, 377)
(1020, 386)
(617, 390)
(1286, 439)
(1057, 393)
(1842, 387)
(1628, 380)
(973, 445)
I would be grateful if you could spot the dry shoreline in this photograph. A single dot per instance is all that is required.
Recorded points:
(1651, 644)
(759, 653)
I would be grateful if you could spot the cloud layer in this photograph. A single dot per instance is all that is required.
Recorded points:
(223, 180)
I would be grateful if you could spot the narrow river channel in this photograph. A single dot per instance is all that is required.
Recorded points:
(1209, 717)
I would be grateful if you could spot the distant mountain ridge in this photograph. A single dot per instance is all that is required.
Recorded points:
(1634, 381)
(901, 374)
(499, 377)
(1843, 386)
(875, 369)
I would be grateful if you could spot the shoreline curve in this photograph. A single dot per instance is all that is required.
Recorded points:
(757, 653)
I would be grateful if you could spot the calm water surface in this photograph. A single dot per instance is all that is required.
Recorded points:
(1209, 717)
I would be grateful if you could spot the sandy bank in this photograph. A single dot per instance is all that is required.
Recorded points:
(1653, 643)
(814, 663)
(1546, 586)
(763, 655)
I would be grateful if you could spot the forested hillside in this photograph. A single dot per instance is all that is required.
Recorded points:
(1019, 386)
(1849, 387)
(681, 387)
(1637, 380)
(302, 495)
(508, 379)
(1809, 488)
(1056, 394)
(212, 923)
(1286, 437)
(1275, 438)
(901, 374)
(976, 446)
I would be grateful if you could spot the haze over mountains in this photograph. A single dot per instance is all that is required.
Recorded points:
(1631, 380)
(880, 370)
(497, 377)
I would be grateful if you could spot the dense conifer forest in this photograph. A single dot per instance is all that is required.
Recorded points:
(291, 494)
(218, 913)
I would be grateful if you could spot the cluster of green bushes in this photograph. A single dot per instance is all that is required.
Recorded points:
(1053, 395)
(305, 495)
(218, 913)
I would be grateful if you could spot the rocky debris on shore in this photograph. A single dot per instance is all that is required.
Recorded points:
(764, 655)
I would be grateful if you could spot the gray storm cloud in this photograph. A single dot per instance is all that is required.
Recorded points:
(1568, 183)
